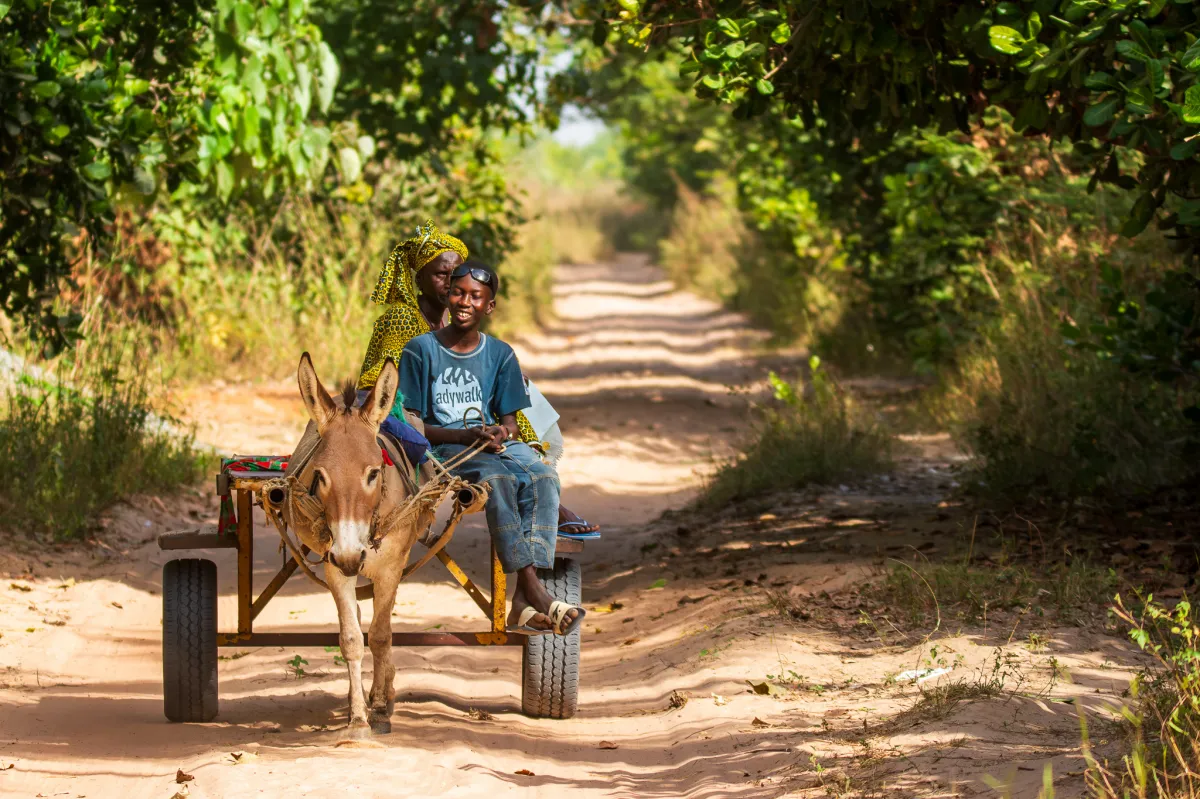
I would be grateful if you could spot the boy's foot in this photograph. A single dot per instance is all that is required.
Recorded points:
(569, 522)
(541, 603)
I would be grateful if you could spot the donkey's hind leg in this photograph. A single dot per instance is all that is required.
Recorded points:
(383, 687)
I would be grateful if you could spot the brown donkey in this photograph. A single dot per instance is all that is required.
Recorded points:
(346, 473)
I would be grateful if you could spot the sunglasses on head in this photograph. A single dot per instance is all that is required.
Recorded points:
(482, 275)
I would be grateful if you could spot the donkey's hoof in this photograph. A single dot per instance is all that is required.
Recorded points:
(357, 731)
(381, 725)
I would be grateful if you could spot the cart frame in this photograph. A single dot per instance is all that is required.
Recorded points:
(246, 487)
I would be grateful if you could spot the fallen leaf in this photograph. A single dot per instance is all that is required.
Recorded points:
(609, 608)
(67, 583)
(311, 728)
(630, 641)
(525, 773)
(182, 776)
(480, 715)
(243, 757)
(54, 622)
(661, 582)
(117, 605)
(837, 711)
(6, 768)
(19, 587)
(608, 745)
(759, 723)
(719, 700)
(766, 517)
(764, 688)
(678, 699)
(31, 629)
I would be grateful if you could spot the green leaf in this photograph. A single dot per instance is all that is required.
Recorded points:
(1155, 75)
(366, 146)
(1139, 216)
(4, 7)
(1139, 101)
(1190, 112)
(268, 21)
(46, 89)
(1035, 25)
(735, 49)
(1191, 59)
(349, 164)
(243, 19)
(1101, 112)
(1006, 40)
(600, 33)
(327, 80)
(714, 82)
(688, 67)
(661, 582)
(1185, 150)
(729, 28)
(57, 133)
(765, 86)
(756, 50)
(225, 179)
(1131, 50)
(1098, 81)
(97, 171)
(252, 79)
(302, 90)
(782, 33)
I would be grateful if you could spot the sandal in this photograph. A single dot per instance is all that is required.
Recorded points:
(564, 529)
(558, 616)
(523, 627)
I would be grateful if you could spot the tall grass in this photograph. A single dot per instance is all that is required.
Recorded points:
(818, 435)
(71, 448)
(1046, 419)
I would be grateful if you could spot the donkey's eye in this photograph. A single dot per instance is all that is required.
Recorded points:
(318, 480)
(372, 476)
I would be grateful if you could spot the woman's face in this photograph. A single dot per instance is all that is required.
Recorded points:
(434, 277)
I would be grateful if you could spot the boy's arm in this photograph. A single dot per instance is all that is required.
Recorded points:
(494, 435)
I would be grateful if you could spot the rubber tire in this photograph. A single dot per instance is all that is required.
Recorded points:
(190, 640)
(550, 663)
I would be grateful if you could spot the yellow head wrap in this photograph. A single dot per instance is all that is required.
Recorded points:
(397, 288)
(397, 280)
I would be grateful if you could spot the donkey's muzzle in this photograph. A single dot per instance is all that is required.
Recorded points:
(349, 566)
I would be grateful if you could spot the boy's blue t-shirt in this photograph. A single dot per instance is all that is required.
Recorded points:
(443, 386)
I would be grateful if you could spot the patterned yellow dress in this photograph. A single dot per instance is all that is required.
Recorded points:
(403, 320)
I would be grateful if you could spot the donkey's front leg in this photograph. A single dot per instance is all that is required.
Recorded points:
(350, 637)
(383, 688)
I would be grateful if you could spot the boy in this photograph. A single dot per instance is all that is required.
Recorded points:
(467, 388)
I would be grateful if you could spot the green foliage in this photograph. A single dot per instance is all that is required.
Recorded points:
(85, 107)
(1163, 758)
(1113, 76)
(1046, 417)
(69, 451)
(814, 436)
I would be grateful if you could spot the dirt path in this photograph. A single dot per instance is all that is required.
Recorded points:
(685, 610)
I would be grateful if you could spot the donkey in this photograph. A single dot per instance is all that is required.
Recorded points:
(346, 473)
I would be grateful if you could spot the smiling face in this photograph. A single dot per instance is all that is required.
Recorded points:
(469, 302)
(434, 277)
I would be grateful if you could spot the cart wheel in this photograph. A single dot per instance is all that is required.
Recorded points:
(551, 662)
(190, 640)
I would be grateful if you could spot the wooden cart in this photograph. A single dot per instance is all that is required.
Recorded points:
(550, 663)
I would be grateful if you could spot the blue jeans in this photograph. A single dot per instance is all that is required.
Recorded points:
(522, 510)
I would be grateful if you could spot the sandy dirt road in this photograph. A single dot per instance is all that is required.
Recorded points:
(684, 610)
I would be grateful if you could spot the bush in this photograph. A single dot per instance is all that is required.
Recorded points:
(69, 452)
(817, 436)
(1164, 721)
(1047, 419)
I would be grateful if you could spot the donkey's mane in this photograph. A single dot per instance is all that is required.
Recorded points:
(349, 396)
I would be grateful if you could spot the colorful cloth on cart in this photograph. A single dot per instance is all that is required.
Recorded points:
(227, 522)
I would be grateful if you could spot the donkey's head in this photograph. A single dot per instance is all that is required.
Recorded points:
(347, 467)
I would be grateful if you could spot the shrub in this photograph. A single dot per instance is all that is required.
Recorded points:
(1164, 720)
(818, 436)
(67, 452)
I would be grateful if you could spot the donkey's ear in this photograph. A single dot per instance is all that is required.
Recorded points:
(379, 402)
(320, 405)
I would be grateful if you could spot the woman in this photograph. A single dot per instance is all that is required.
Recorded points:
(413, 285)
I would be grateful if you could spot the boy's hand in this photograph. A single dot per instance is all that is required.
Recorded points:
(494, 435)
